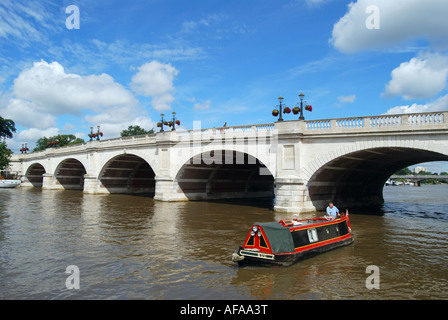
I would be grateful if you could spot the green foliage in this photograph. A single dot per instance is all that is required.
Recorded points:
(62, 139)
(5, 155)
(7, 128)
(135, 131)
(403, 172)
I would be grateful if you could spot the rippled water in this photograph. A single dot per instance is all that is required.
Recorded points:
(132, 247)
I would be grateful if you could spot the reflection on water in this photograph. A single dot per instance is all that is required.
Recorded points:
(133, 247)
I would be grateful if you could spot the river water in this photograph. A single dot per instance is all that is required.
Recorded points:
(132, 247)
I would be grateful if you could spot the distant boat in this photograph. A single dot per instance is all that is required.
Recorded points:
(8, 183)
(9, 179)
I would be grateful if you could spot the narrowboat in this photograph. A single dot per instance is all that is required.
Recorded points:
(290, 240)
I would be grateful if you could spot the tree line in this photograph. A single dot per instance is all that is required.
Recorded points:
(406, 171)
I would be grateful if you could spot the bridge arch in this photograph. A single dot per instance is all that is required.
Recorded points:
(34, 174)
(70, 174)
(224, 174)
(259, 152)
(356, 178)
(127, 173)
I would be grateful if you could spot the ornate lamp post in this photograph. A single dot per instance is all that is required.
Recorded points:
(301, 109)
(24, 148)
(174, 121)
(171, 124)
(301, 96)
(160, 124)
(275, 112)
(96, 135)
(296, 110)
(280, 100)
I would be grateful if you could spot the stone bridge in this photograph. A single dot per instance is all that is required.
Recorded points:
(303, 164)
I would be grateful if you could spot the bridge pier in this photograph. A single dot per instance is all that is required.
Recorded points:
(50, 182)
(93, 186)
(25, 182)
(167, 189)
(291, 196)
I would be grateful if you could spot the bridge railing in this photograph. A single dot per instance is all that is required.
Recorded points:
(235, 130)
(382, 122)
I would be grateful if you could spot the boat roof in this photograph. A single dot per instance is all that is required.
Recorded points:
(279, 237)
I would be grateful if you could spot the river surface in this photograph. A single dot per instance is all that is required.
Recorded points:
(132, 247)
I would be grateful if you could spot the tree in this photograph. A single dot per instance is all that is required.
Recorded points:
(444, 173)
(7, 128)
(403, 172)
(62, 140)
(5, 156)
(135, 131)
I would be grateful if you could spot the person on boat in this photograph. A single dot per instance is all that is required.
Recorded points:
(332, 211)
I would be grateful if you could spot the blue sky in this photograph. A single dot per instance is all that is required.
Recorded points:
(216, 61)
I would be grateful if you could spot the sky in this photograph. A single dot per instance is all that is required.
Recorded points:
(125, 62)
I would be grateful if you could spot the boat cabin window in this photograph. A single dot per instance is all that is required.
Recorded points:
(263, 243)
(312, 235)
(251, 241)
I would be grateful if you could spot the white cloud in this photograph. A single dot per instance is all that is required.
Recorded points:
(347, 99)
(112, 115)
(155, 79)
(202, 106)
(25, 114)
(33, 134)
(53, 90)
(419, 78)
(441, 104)
(68, 127)
(112, 130)
(42, 93)
(30, 136)
(400, 21)
(191, 26)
